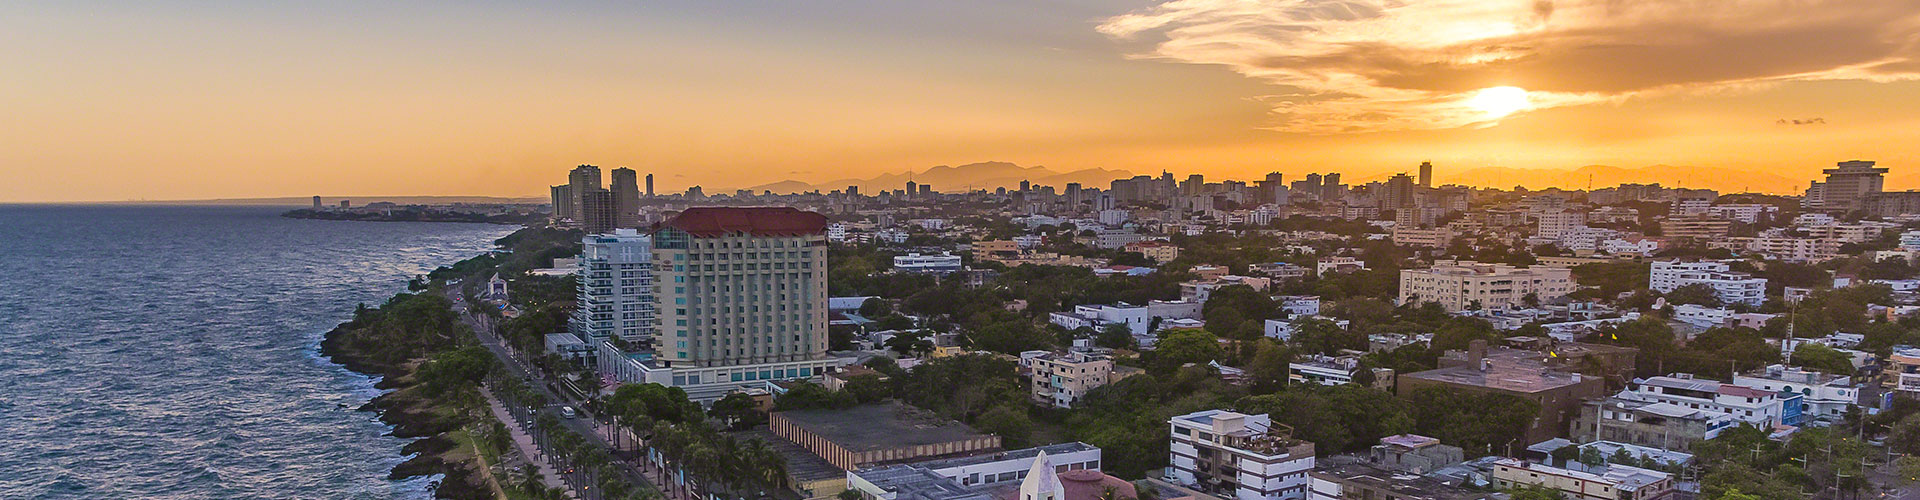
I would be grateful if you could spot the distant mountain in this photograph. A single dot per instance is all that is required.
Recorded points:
(1724, 180)
(984, 175)
(301, 201)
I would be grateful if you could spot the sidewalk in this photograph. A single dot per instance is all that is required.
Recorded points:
(548, 476)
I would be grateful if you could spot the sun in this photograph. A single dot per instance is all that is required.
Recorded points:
(1499, 101)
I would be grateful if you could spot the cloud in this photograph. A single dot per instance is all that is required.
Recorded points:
(1802, 121)
(1375, 65)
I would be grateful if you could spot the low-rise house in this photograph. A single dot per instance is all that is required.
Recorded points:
(1061, 379)
(1614, 482)
(1824, 397)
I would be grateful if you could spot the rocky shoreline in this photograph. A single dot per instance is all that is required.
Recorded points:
(412, 417)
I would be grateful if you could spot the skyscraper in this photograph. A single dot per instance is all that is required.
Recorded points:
(626, 197)
(598, 212)
(1073, 196)
(1398, 193)
(584, 179)
(913, 190)
(563, 202)
(316, 203)
(1426, 174)
(649, 185)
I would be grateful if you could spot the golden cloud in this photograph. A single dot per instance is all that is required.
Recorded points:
(1380, 65)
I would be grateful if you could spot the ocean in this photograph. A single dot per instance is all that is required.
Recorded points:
(172, 351)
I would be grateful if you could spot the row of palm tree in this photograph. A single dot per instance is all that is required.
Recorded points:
(690, 446)
(589, 467)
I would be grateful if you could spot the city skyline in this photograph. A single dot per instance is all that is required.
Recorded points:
(165, 101)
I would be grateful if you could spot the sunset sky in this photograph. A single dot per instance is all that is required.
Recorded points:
(108, 101)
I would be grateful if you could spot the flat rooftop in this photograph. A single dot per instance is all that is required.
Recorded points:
(1020, 454)
(802, 465)
(880, 426)
(1521, 375)
(1404, 486)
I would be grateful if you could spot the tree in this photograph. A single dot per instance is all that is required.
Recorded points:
(1535, 492)
(910, 343)
(1697, 293)
(1320, 336)
(1115, 336)
(875, 307)
(1009, 422)
(1186, 345)
(1822, 358)
(738, 411)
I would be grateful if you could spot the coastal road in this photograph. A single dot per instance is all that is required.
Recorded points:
(487, 331)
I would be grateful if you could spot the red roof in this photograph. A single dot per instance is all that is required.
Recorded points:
(757, 221)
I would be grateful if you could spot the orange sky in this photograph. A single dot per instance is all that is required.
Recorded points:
(166, 100)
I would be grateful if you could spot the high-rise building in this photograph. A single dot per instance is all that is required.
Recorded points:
(563, 203)
(743, 291)
(626, 197)
(1331, 189)
(926, 191)
(1025, 185)
(316, 203)
(599, 212)
(615, 287)
(1398, 193)
(649, 185)
(1426, 174)
(584, 179)
(1074, 196)
(1848, 186)
(913, 189)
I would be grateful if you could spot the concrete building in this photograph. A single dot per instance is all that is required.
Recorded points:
(932, 264)
(582, 180)
(1849, 184)
(1360, 481)
(1558, 392)
(626, 197)
(1696, 228)
(882, 433)
(1613, 482)
(1337, 265)
(1437, 237)
(1460, 285)
(1159, 251)
(1732, 287)
(1061, 379)
(1239, 457)
(563, 204)
(598, 212)
(1139, 319)
(1413, 454)
(1067, 471)
(615, 296)
(1824, 397)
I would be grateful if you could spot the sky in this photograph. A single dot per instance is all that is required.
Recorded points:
(114, 101)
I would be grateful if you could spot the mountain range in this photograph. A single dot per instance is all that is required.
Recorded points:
(1724, 180)
(983, 175)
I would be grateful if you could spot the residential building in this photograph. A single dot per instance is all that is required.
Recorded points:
(563, 204)
(1413, 454)
(1613, 482)
(1239, 457)
(1199, 290)
(1901, 371)
(1061, 379)
(1551, 224)
(1334, 370)
(1743, 212)
(1338, 265)
(1159, 251)
(1463, 285)
(1760, 408)
(615, 289)
(597, 212)
(1731, 287)
(582, 180)
(1824, 397)
(626, 197)
(1793, 249)
(1695, 228)
(1280, 270)
(930, 264)
(1437, 237)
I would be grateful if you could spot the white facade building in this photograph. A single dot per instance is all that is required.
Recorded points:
(1238, 457)
(615, 296)
(1731, 287)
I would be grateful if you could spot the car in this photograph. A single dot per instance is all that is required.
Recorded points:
(567, 411)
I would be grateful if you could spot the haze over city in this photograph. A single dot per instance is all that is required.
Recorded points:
(173, 100)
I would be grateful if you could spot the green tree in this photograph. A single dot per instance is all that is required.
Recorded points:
(1182, 346)
(1115, 336)
(1822, 358)
(1698, 293)
(1009, 422)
